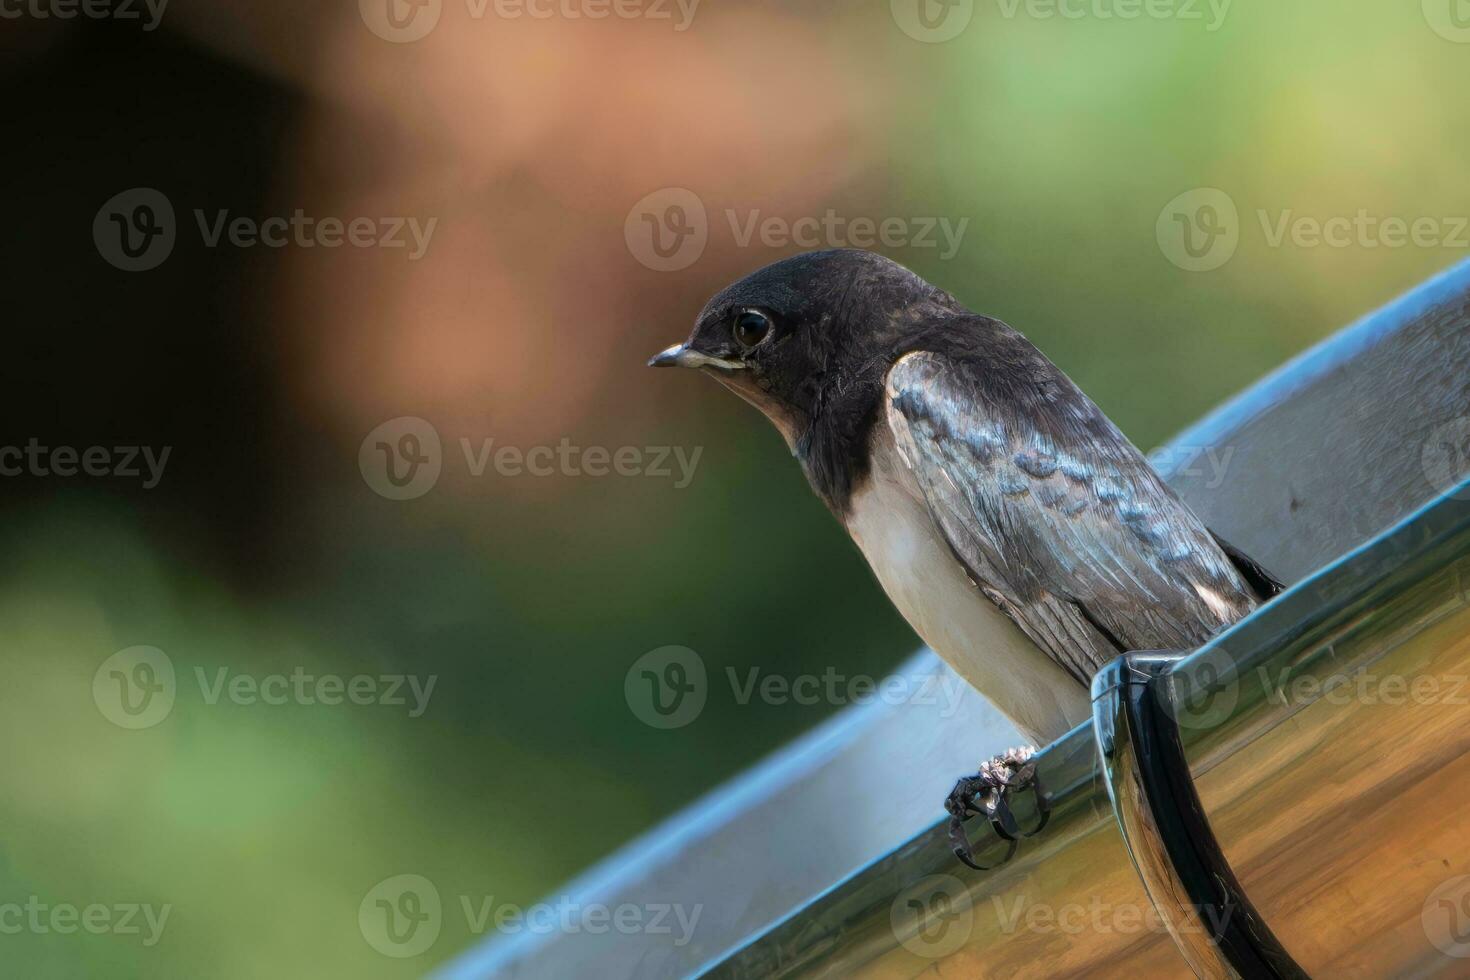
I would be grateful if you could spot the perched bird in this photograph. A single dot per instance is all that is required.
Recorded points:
(1024, 538)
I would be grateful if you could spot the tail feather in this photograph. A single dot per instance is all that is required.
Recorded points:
(1262, 583)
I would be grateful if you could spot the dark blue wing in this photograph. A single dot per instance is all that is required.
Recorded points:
(1058, 519)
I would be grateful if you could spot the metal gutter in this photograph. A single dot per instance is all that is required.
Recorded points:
(1322, 455)
(1262, 698)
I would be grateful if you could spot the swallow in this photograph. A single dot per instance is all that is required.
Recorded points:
(1016, 529)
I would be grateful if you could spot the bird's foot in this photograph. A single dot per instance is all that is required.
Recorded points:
(987, 793)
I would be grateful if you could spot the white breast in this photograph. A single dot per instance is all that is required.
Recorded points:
(890, 523)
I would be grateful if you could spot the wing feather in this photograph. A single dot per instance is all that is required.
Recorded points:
(1056, 517)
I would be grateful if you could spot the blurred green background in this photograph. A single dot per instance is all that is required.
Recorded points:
(263, 549)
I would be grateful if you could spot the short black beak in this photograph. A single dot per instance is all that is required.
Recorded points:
(670, 357)
(682, 355)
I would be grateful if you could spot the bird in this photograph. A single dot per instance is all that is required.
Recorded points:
(1024, 538)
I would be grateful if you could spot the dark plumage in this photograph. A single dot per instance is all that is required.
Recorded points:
(1010, 521)
(840, 320)
(1066, 528)
(1053, 515)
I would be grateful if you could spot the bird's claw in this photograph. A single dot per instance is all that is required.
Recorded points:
(987, 793)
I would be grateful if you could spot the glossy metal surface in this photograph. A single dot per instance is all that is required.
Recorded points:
(1321, 455)
(1199, 899)
(1329, 738)
(1193, 929)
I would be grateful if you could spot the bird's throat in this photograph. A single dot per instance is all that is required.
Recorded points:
(788, 422)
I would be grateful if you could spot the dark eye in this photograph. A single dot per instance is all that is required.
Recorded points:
(751, 327)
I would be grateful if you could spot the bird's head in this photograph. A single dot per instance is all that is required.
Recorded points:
(787, 336)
